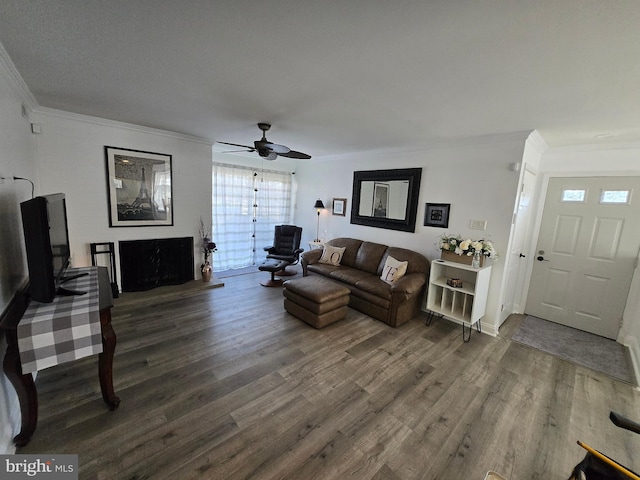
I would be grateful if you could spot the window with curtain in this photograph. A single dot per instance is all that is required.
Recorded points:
(247, 204)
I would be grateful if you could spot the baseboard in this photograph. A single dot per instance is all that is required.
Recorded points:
(634, 352)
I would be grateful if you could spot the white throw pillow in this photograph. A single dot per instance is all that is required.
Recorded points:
(332, 255)
(393, 270)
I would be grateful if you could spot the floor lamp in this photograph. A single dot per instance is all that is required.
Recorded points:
(318, 206)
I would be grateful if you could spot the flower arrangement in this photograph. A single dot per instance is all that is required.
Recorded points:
(455, 244)
(208, 247)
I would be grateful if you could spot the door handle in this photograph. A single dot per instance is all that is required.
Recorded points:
(522, 256)
(541, 259)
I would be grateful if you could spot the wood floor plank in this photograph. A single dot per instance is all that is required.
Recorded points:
(224, 384)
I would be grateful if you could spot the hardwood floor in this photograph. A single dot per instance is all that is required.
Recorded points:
(224, 384)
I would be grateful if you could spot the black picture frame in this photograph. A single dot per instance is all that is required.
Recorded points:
(437, 215)
(339, 207)
(139, 188)
(398, 212)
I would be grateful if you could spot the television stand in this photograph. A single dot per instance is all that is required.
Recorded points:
(97, 314)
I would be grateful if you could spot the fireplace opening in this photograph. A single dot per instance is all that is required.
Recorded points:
(147, 264)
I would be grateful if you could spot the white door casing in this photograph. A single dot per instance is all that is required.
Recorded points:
(586, 254)
(516, 261)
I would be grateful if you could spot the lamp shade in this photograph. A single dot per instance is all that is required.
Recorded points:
(318, 204)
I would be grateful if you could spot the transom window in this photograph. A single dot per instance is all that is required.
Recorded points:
(615, 196)
(573, 195)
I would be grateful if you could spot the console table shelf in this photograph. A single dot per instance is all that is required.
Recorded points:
(466, 304)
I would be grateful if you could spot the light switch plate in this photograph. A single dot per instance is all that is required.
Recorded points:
(478, 224)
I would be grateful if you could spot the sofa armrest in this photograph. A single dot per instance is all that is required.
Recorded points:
(308, 258)
(409, 283)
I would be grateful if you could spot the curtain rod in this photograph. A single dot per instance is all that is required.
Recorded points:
(253, 169)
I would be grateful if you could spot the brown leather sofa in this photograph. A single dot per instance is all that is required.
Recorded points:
(360, 271)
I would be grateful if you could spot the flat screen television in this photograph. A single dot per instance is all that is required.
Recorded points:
(46, 235)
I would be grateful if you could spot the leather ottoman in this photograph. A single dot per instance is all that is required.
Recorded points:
(315, 300)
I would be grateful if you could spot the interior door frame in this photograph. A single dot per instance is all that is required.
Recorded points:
(524, 274)
(541, 196)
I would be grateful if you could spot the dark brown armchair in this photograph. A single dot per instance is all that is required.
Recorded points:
(286, 246)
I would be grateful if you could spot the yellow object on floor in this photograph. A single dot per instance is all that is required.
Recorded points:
(493, 476)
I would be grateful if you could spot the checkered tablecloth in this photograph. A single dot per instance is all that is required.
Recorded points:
(64, 330)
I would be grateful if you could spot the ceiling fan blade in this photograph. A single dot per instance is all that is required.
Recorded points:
(294, 154)
(238, 151)
(251, 149)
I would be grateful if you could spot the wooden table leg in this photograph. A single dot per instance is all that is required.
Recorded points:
(25, 388)
(105, 360)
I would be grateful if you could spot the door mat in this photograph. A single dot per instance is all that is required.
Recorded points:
(585, 349)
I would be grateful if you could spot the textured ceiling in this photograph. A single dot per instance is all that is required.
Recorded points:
(335, 76)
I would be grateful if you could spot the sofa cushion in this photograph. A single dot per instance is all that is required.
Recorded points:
(383, 301)
(332, 255)
(393, 270)
(349, 275)
(369, 256)
(323, 268)
(375, 286)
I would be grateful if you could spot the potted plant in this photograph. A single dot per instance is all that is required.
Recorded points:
(208, 247)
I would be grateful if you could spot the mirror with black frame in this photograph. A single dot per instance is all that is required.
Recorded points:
(386, 198)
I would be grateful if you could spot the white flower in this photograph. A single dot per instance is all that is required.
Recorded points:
(455, 244)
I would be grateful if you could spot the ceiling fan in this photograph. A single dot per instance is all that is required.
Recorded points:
(268, 150)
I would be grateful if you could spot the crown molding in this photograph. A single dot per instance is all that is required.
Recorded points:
(77, 117)
(593, 147)
(17, 84)
(519, 137)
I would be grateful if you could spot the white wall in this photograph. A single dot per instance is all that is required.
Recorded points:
(474, 178)
(71, 160)
(17, 158)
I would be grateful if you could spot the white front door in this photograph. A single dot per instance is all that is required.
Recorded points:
(586, 252)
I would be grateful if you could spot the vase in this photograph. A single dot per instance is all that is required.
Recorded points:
(453, 257)
(206, 269)
(475, 261)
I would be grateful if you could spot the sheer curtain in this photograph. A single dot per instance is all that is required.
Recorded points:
(247, 204)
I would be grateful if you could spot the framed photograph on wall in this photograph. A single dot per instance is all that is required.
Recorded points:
(339, 206)
(437, 215)
(139, 188)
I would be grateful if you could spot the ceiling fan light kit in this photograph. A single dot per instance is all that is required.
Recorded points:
(269, 150)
